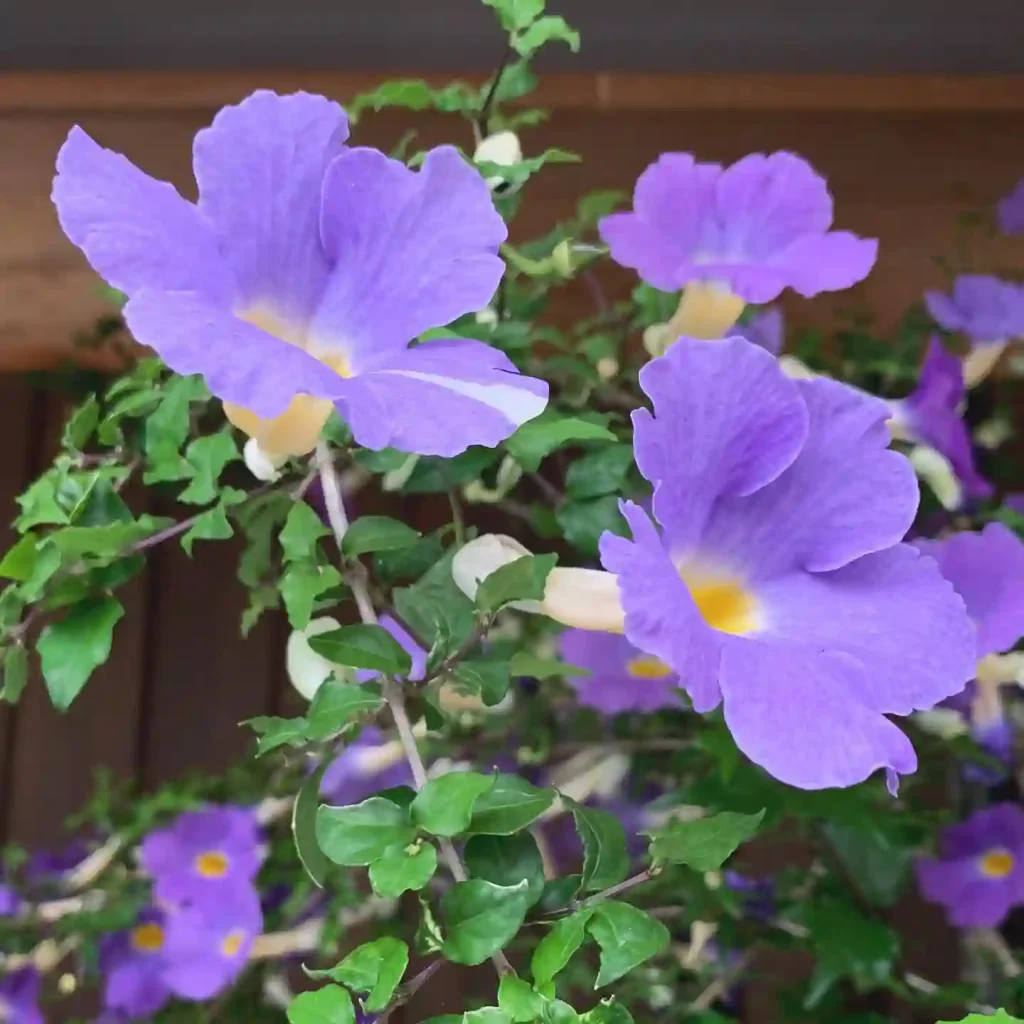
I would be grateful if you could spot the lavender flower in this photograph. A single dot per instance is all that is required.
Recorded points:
(979, 874)
(766, 329)
(733, 235)
(203, 854)
(9, 901)
(1010, 211)
(365, 767)
(19, 997)
(300, 277)
(621, 678)
(132, 963)
(779, 586)
(931, 416)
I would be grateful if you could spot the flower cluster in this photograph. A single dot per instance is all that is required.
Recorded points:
(196, 937)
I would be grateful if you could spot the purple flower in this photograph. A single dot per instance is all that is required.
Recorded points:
(1010, 211)
(9, 901)
(132, 963)
(757, 895)
(19, 997)
(301, 275)
(779, 586)
(202, 854)
(621, 677)
(979, 874)
(931, 416)
(986, 569)
(44, 864)
(765, 328)
(208, 945)
(984, 308)
(365, 767)
(757, 227)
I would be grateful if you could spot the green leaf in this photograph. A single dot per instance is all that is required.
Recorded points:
(521, 580)
(208, 456)
(485, 1015)
(508, 806)
(358, 835)
(415, 94)
(300, 533)
(614, 1012)
(519, 1000)
(335, 706)
(525, 664)
(605, 859)
(435, 609)
(213, 524)
(20, 560)
(516, 14)
(546, 30)
(555, 950)
(15, 666)
(79, 428)
(402, 868)
(373, 969)
(558, 1012)
(277, 732)
(847, 944)
(583, 522)
(878, 866)
(328, 1005)
(307, 803)
(479, 918)
(507, 860)
(540, 437)
(627, 937)
(486, 679)
(999, 1017)
(706, 843)
(444, 806)
(377, 533)
(76, 645)
(301, 584)
(363, 646)
(600, 472)
(39, 505)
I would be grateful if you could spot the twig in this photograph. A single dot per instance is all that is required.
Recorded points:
(411, 987)
(481, 123)
(615, 890)
(355, 576)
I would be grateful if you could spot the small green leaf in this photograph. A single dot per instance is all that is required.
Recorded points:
(373, 969)
(507, 860)
(605, 858)
(599, 472)
(277, 732)
(555, 950)
(360, 834)
(363, 646)
(999, 1017)
(20, 560)
(208, 456)
(377, 533)
(706, 843)
(400, 870)
(558, 1012)
(627, 937)
(328, 1005)
(479, 918)
(508, 806)
(79, 428)
(435, 609)
(335, 706)
(877, 866)
(519, 1000)
(301, 584)
(213, 524)
(516, 14)
(15, 665)
(584, 522)
(485, 1015)
(540, 437)
(521, 580)
(307, 803)
(444, 806)
(300, 533)
(486, 679)
(614, 1012)
(76, 645)
(525, 664)
(546, 30)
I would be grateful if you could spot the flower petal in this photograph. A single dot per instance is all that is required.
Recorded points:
(825, 263)
(439, 398)
(795, 712)
(726, 422)
(241, 363)
(412, 250)
(135, 231)
(844, 496)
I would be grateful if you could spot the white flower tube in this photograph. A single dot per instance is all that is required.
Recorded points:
(581, 598)
(262, 464)
(306, 669)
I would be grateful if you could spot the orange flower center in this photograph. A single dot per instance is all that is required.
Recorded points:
(997, 864)
(232, 943)
(647, 667)
(723, 602)
(148, 938)
(212, 864)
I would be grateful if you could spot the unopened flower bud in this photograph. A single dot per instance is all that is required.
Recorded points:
(501, 148)
(306, 669)
(262, 464)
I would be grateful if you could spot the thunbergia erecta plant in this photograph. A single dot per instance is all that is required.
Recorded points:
(635, 647)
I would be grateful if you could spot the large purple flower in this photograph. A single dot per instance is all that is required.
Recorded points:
(208, 945)
(203, 854)
(779, 586)
(931, 416)
(365, 767)
(621, 677)
(1010, 211)
(301, 275)
(132, 963)
(755, 228)
(979, 874)
(19, 997)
